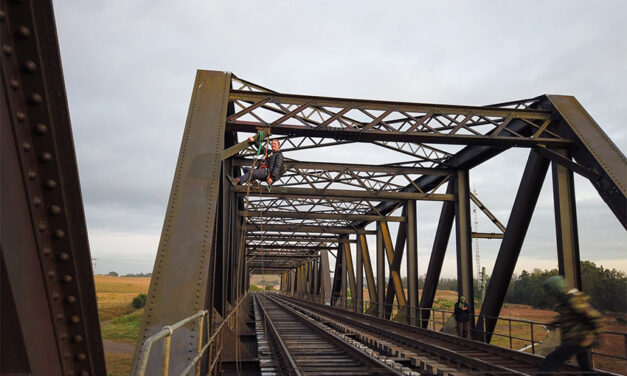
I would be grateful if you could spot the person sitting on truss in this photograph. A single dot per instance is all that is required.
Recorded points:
(270, 168)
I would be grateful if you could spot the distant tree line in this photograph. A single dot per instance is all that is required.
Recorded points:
(138, 275)
(607, 288)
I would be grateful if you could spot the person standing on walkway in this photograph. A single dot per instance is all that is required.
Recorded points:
(581, 326)
(462, 316)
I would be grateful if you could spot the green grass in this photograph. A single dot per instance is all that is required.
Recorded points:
(124, 328)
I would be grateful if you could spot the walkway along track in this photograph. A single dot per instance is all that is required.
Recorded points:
(303, 347)
(425, 351)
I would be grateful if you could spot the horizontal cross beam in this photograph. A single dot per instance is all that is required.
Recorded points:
(340, 167)
(308, 215)
(306, 228)
(303, 239)
(395, 136)
(287, 192)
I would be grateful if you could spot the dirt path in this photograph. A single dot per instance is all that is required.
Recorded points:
(113, 347)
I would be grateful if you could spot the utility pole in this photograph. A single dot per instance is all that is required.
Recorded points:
(479, 270)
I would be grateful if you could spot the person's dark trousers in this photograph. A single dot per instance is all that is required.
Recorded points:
(463, 328)
(259, 174)
(554, 360)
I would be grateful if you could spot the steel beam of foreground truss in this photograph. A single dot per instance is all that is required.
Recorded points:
(394, 257)
(440, 242)
(48, 313)
(180, 286)
(463, 237)
(566, 223)
(517, 225)
(412, 261)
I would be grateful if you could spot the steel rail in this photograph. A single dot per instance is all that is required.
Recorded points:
(366, 323)
(289, 363)
(374, 364)
(374, 324)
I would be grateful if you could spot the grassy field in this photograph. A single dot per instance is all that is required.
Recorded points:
(120, 322)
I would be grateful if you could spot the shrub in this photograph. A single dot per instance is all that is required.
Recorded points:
(139, 301)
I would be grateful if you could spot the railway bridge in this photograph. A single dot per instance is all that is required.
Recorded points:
(333, 232)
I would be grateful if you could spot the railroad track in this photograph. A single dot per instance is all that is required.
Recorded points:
(302, 346)
(422, 350)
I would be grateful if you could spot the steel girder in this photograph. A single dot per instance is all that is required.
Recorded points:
(49, 321)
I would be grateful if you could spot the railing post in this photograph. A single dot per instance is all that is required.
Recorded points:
(533, 347)
(510, 333)
(166, 352)
(200, 335)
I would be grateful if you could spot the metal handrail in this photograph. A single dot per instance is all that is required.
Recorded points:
(213, 347)
(167, 333)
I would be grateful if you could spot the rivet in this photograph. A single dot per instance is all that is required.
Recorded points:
(46, 251)
(74, 320)
(45, 157)
(67, 355)
(2, 16)
(23, 31)
(63, 256)
(67, 278)
(7, 50)
(35, 98)
(32, 174)
(59, 316)
(36, 201)
(51, 184)
(55, 209)
(26, 146)
(42, 226)
(77, 338)
(41, 128)
(15, 84)
(20, 116)
(63, 336)
(70, 299)
(84, 373)
(81, 356)
(51, 274)
(59, 234)
(30, 66)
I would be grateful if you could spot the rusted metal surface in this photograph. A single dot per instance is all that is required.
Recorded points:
(180, 285)
(594, 149)
(52, 323)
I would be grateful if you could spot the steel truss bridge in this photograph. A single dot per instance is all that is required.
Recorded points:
(216, 235)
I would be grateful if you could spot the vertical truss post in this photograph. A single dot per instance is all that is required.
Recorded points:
(348, 261)
(372, 289)
(566, 223)
(463, 235)
(412, 261)
(337, 287)
(325, 277)
(315, 288)
(184, 263)
(517, 225)
(359, 277)
(344, 294)
(380, 272)
(293, 282)
(442, 235)
(395, 286)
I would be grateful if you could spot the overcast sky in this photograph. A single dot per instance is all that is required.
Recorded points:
(129, 68)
